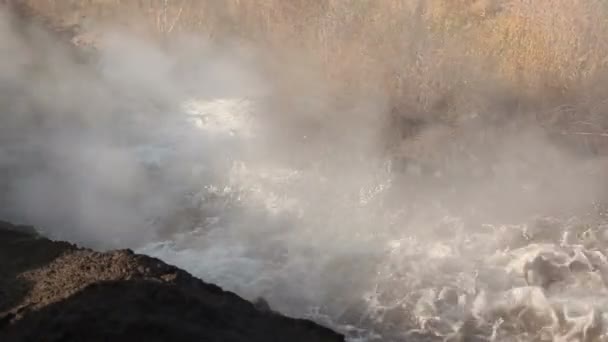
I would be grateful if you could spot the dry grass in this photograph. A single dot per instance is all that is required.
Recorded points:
(439, 58)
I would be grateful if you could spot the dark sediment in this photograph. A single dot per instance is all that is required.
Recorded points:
(55, 291)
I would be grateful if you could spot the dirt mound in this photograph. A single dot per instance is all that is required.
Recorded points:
(55, 291)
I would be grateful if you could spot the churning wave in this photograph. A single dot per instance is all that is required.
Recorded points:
(331, 243)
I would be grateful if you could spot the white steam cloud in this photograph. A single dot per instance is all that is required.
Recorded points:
(190, 152)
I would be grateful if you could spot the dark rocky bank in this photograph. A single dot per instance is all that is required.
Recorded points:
(56, 291)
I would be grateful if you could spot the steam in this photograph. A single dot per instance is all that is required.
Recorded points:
(75, 132)
(191, 152)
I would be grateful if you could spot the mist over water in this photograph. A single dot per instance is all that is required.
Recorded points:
(192, 154)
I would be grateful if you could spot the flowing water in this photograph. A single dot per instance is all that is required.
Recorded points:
(373, 252)
(347, 238)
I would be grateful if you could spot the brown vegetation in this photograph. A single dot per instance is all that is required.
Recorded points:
(438, 59)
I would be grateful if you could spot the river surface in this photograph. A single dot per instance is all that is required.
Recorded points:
(377, 251)
(381, 255)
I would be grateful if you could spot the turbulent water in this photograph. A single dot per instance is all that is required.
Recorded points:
(352, 240)
(338, 242)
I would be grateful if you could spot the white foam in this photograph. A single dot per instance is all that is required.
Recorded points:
(339, 254)
(230, 116)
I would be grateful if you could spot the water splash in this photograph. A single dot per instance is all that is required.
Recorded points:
(334, 247)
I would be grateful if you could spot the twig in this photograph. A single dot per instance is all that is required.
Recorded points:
(176, 19)
(585, 133)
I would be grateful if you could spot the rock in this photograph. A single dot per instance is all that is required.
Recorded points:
(542, 272)
(70, 294)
